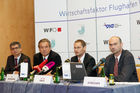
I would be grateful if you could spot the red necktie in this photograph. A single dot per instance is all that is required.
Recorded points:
(116, 67)
(79, 60)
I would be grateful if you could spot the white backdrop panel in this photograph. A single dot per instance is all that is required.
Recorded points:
(49, 10)
(55, 32)
(85, 30)
(135, 31)
(107, 27)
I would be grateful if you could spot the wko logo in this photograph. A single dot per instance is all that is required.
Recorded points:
(138, 22)
(111, 25)
(52, 29)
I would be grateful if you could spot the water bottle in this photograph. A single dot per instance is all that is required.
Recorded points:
(103, 72)
(2, 73)
(31, 78)
(111, 79)
(56, 76)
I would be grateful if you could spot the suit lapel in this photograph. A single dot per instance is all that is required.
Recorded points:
(75, 59)
(86, 58)
(112, 60)
(13, 61)
(40, 58)
(50, 55)
(20, 59)
(120, 61)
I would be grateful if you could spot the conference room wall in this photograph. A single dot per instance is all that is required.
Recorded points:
(16, 24)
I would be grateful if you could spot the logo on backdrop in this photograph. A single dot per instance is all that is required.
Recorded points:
(81, 31)
(109, 26)
(52, 43)
(105, 42)
(138, 22)
(53, 29)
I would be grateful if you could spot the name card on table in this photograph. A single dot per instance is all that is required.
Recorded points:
(95, 81)
(43, 79)
(23, 69)
(12, 77)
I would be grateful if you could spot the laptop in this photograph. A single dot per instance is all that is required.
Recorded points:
(77, 71)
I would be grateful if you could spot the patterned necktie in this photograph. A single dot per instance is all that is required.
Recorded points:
(79, 60)
(44, 58)
(116, 67)
(15, 61)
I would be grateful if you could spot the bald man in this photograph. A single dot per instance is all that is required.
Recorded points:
(121, 62)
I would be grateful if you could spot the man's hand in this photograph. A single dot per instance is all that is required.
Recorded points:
(49, 73)
(16, 72)
(106, 78)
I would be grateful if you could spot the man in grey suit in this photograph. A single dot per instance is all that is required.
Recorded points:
(83, 57)
(121, 62)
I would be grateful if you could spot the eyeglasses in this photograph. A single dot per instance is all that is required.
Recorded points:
(15, 48)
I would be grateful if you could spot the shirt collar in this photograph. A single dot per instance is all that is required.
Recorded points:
(46, 57)
(18, 58)
(118, 57)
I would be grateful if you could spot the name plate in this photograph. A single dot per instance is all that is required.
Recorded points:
(43, 79)
(12, 77)
(95, 81)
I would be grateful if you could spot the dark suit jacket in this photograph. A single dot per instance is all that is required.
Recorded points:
(126, 67)
(89, 63)
(10, 67)
(53, 56)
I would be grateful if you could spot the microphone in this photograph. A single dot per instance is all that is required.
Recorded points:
(39, 67)
(47, 67)
(67, 60)
(103, 60)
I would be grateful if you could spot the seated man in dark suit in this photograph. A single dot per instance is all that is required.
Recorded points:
(82, 56)
(14, 60)
(121, 62)
(44, 46)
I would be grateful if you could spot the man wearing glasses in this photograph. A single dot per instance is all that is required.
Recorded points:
(16, 57)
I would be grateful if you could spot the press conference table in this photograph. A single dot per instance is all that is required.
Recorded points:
(26, 87)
